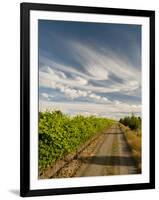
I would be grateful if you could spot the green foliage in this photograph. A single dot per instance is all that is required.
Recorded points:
(60, 134)
(132, 122)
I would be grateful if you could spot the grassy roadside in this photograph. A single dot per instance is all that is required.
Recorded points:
(134, 140)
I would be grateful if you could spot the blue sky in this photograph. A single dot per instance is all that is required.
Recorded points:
(90, 68)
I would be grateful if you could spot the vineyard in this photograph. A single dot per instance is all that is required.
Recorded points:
(60, 134)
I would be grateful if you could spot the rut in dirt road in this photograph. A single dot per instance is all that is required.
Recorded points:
(112, 156)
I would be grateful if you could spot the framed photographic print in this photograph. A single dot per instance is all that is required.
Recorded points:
(87, 99)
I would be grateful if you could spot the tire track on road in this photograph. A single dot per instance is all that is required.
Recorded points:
(111, 157)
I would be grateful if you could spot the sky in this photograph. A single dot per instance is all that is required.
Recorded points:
(90, 68)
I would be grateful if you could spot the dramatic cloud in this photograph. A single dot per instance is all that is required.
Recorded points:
(58, 80)
(89, 78)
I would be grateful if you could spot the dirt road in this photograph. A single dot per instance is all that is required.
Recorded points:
(111, 156)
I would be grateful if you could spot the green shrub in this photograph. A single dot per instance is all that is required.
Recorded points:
(132, 122)
(60, 134)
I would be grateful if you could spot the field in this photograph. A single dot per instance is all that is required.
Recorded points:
(60, 134)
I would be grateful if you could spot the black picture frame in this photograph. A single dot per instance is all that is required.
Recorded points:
(25, 9)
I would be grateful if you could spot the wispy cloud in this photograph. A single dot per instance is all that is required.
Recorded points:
(95, 73)
(58, 80)
(96, 67)
(114, 110)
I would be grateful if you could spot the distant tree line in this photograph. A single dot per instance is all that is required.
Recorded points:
(132, 122)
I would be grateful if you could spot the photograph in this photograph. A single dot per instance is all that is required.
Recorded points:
(87, 99)
(90, 109)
